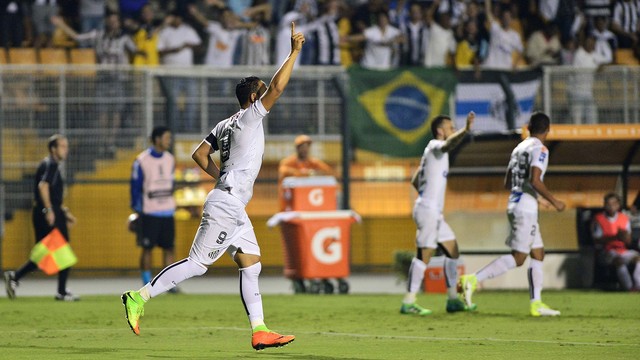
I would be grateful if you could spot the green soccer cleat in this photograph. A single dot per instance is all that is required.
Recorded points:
(538, 308)
(133, 309)
(414, 309)
(466, 286)
(455, 305)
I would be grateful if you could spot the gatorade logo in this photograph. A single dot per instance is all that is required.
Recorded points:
(316, 197)
(325, 245)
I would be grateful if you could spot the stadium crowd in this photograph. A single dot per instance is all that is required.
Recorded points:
(376, 33)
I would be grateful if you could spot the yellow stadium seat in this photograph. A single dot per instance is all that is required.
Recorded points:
(83, 56)
(626, 57)
(3, 56)
(22, 56)
(53, 56)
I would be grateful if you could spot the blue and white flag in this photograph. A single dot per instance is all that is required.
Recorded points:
(502, 100)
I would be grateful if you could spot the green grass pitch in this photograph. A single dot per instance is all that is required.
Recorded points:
(593, 325)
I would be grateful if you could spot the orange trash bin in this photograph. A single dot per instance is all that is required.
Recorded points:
(316, 247)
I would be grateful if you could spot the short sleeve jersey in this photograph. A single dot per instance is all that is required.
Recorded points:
(530, 152)
(240, 140)
(432, 176)
(503, 43)
(49, 172)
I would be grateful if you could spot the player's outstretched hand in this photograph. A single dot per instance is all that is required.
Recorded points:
(470, 119)
(297, 38)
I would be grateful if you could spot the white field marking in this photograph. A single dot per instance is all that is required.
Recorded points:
(353, 335)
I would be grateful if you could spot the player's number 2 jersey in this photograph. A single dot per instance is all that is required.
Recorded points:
(530, 152)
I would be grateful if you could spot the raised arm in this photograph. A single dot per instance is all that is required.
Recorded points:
(281, 77)
(488, 12)
(58, 22)
(455, 139)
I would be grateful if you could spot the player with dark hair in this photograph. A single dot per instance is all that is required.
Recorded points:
(152, 185)
(225, 226)
(524, 178)
(430, 180)
(48, 213)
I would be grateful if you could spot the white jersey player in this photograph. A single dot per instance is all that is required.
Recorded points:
(524, 178)
(430, 180)
(225, 226)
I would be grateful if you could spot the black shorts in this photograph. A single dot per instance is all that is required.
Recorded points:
(156, 231)
(43, 229)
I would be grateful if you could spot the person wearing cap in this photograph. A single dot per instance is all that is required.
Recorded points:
(301, 164)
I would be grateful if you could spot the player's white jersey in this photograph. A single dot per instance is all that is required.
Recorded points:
(432, 176)
(240, 140)
(530, 152)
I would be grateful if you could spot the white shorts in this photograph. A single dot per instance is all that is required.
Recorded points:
(225, 227)
(627, 256)
(432, 229)
(525, 232)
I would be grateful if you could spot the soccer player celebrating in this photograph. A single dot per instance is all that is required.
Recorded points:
(430, 180)
(225, 226)
(524, 178)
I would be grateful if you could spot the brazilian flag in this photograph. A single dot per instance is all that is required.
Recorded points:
(390, 112)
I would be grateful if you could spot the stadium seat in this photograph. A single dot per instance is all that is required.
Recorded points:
(22, 56)
(3, 56)
(83, 56)
(53, 56)
(626, 57)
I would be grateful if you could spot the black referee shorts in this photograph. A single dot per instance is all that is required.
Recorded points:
(156, 231)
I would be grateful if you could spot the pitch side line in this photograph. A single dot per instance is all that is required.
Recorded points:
(353, 335)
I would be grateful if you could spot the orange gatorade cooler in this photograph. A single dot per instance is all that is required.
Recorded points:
(434, 281)
(316, 193)
(316, 245)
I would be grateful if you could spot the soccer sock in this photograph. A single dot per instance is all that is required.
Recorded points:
(624, 277)
(28, 267)
(174, 274)
(146, 276)
(451, 277)
(497, 267)
(250, 294)
(62, 281)
(535, 275)
(636, 276)
(416, 276)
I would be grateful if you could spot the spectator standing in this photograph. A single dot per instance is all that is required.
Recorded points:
(152, 185)
(224, 37)
(380, 42)
(146, 34)
(327, 34)
(113, 47)
(41, 12)
(302, 14)
(48, 213)
(606, 41)
(416, 34)
(625, 25)
(612, 236)
(92, 14)
(543, 47)
(175, 46)
(441, 44)
(256, 45)
(11, 23)
(585, 61)
(504, 41)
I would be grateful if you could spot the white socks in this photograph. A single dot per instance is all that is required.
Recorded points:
(171, 276)
(497, 267)
(451, 277)
(416, 277)
(535, 274)
(250, 294)
(624, 277)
